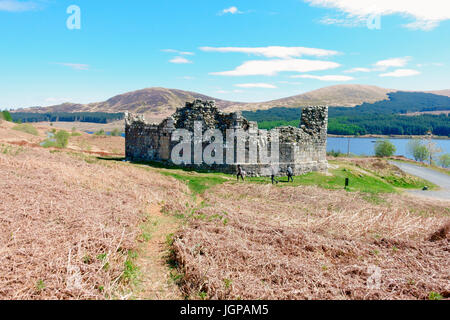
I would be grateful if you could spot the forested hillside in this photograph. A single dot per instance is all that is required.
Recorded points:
(383, 117)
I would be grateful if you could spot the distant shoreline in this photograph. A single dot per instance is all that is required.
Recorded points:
(377, 136)
(88, 126)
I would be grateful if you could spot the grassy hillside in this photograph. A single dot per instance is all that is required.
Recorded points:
(77, 224)
(151, 101)
(347, 95)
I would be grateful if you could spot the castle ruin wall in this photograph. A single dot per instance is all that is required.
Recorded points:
(302, 148)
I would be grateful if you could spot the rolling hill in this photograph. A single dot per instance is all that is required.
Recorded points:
(340, 95)
(157, 103)
(151, 101)
(441, 92)
(160, 102)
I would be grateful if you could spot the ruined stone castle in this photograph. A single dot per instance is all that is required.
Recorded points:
(302, 148)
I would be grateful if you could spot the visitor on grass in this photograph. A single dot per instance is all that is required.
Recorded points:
(290, 174)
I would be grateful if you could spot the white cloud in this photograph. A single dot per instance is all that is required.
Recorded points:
(180, 60)
(427, 14)
(401, 73)
(178, 52)
(335, 78)
(16, 6)
(273, 67)
(275, 51)
(255, 85)
(291, 83)
(433, 64)
(230, 10)
(383, 65)
(354, 70)
(75, 66)
(394, 62)
(344, 22)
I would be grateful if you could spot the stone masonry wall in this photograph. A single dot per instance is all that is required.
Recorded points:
(302, 148)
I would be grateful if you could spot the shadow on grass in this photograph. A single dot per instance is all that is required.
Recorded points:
(163, 165)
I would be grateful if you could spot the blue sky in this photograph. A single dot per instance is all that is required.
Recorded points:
(248, 50)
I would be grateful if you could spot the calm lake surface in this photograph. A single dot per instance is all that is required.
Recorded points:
(365, 146)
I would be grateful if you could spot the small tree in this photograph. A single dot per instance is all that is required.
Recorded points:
(444, 160)
(62, 139)
(101, 132)
(116, 132)
(6, 116)
(384, 148)
(418, 150)
(433, 150)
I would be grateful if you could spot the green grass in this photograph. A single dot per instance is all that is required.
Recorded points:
(197, 182)
(357, 181)
(131, 270)
(10, 150)
(408, 183)
(27, 128)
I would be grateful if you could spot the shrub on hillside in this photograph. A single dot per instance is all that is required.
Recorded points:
(116, 132)
(5, 115)
(27, 128)
(58, 139)
(75, 133)
(384, 148)
(62, 139)
(101, 132)
(336, 154)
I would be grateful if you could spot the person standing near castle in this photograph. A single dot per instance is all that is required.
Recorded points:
(240, 172)
(273, 172)
(290, 174)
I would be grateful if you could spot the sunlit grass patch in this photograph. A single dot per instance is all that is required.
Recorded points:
(27, 128)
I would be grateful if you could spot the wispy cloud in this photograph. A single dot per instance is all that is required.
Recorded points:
(383, 65)
(180, 60)
(432, 64)
(355, 70)
(342, 21)
(274, 51)
(334, 78)
(393, 62)
(75, 66)
(178, 52)
(401, 73)
(17, 6)
(230, 10)
(427, 14)
(256, 85)
(273, 67)
(291, 83)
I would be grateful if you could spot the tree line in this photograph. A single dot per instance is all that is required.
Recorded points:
(94, 117)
